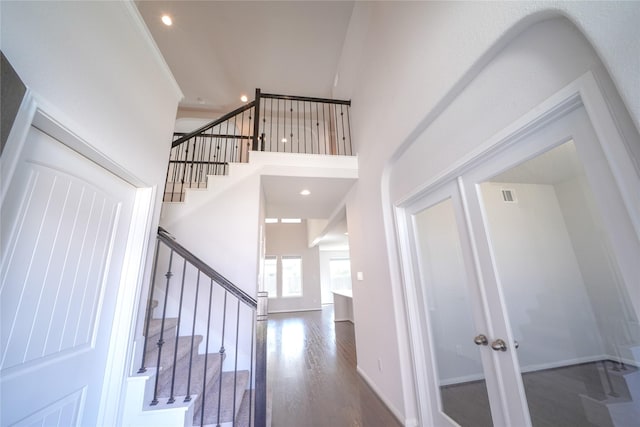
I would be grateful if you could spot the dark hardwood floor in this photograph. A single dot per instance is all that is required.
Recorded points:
(553, 395)
(312, 374)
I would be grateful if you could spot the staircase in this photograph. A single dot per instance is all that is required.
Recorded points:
(203, 358)
(223, 397)
(618, 406)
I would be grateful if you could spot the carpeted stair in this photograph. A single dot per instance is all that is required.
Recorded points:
(218, 386)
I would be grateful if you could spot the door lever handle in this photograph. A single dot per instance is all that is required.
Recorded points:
(481, 340)
(499, 345)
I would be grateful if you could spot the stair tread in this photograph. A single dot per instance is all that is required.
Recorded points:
(168, 348)
(182, 375)
(212, 393)
(155, 325)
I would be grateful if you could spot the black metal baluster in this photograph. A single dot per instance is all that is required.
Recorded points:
(160, 343)
(204, 380)
(209, 165)
(349, 128)
(235, 366)
(344, 146)
(335, 114)
(224, 323)
(202, 176)
(227, 154)
(234, 141)
(149, 303)
(298, 122)
(317, 127)
(193, 335)
(327, 143)
(216, 157)
(175, 349)
(271, 126)
(241, 140)
(193, 156)
(278, 127)
(291, 117)
(184, 167)
(256, 122)
(264, 121)
(304, 124)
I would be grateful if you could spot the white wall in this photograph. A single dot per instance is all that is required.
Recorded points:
(93, 68)
(540, 277)
(617, 323)
(291, 239)
(222, 230)
(432, 81)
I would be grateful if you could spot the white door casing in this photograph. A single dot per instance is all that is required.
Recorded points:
(577, 112)
(65, 226)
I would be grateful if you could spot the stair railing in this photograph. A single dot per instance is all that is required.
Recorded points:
(271, 122)
(208, 150)
(196, 303)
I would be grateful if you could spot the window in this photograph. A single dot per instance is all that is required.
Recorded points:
(291, 220)
(291, 276)
(340, 274)
(271, 276)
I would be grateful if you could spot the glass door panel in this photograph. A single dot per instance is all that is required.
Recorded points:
(447, 302)
(572, 322)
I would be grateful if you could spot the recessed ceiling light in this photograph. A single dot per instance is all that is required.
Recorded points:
(346, 233)
(244, 98)
(283, 140)
(166, 20)
(305, 192)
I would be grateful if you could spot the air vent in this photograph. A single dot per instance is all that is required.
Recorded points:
(509, 196)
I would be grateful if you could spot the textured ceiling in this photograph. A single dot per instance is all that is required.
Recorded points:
(218, 50)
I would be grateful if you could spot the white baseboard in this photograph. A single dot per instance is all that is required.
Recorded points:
(294, 311)
(544, 366)
(399, 416)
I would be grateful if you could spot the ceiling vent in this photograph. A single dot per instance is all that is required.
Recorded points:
(509, 195)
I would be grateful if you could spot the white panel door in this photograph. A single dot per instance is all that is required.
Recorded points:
(65, 222)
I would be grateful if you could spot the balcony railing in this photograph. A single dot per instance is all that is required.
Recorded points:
(275, 123)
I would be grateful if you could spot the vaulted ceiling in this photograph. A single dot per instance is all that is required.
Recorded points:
(218, 50)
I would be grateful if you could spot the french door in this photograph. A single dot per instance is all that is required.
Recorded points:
(524, 271)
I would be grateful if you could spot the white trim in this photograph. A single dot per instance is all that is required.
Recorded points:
(399, 416)
(621, 166)
(294, 311)
(563, 102)
(47, 124)
(584, 91)
(15, 141)
(137, 19)
(123, 330)
(531, 368)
